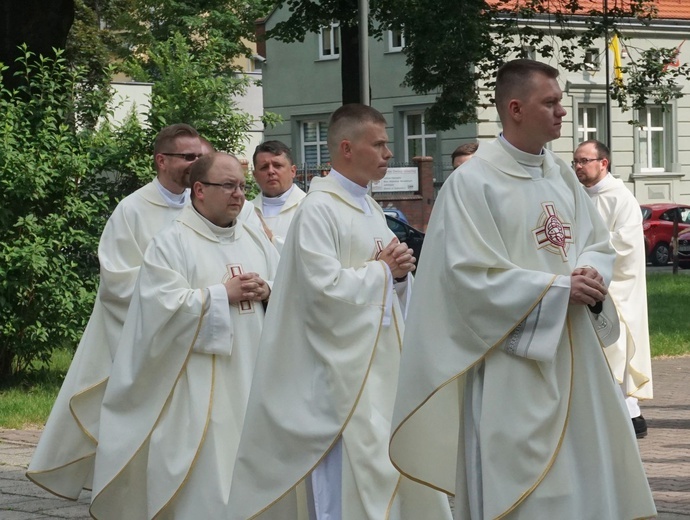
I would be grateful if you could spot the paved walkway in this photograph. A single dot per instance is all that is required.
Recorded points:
(665, 451)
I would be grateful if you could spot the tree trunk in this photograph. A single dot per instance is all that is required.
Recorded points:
(6, 358)
(349, 63)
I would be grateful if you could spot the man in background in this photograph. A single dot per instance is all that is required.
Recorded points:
(463, 153)
(64, 458)
(630, 357)
(279, 199)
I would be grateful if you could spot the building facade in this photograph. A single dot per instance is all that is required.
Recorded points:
(302, 83)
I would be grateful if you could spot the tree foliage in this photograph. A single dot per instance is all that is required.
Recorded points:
(59, 184)
(454, 46)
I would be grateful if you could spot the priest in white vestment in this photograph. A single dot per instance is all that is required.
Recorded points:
(175, 402)
(279, 199)
(630, 357)
(505, 397)
(314, 445)
(64, 458)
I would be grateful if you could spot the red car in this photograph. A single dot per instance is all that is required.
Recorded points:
(657, 222)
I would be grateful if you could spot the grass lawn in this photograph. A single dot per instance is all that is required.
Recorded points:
(27, 403)
(668, 304)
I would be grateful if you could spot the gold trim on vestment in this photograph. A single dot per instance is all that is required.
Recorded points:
(146, 439)
(201, 442)
(352, 410)
(29, 474)
(560, 440)
(452, 379)
(74, 414)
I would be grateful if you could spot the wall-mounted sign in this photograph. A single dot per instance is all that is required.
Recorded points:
(398, 179)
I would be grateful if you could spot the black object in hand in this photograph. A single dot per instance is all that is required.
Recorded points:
(597, 307)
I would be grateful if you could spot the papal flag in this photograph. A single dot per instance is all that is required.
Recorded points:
(617, 63)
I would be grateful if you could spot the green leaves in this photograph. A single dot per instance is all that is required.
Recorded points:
(61, 175)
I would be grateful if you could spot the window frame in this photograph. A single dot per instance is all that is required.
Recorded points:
(390, 39)
(317, 143)
(423, 136)
(645, 127)
(334, 40)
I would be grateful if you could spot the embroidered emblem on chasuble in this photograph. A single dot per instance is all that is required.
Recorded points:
(551, 233)
(378, 247)
(245, 306)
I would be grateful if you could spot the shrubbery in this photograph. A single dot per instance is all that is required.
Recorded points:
(61, 175)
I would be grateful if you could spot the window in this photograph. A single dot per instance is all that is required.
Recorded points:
(590, 119)
(419, 139)
(652, 137)
(592, 60)
(528, 52)
(329, 42)
(314, 146)
(396, 40)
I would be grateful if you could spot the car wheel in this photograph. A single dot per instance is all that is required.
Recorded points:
(684, 265)
(660, 254)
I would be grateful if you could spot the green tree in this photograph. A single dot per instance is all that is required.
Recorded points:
(454, 46)
(226, 25)
(57, 173)
(184, 91)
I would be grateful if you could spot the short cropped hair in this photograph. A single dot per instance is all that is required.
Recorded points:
(513, 79)
(168, 134)
(345, 123)
(464, 149)
(603, 151)
(275, 148)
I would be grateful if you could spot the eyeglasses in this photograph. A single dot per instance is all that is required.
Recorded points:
(228, 187)
(189, 157)
(582, 162)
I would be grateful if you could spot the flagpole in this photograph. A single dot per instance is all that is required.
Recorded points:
(608, 77)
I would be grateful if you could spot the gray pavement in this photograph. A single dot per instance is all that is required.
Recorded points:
(665, 452)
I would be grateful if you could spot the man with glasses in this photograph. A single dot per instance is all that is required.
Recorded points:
(630, 357)
(279, 199)
(175, 403)
(64, 458)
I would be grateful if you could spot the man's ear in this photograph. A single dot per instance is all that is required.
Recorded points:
(515, 109)
(159, 159)
(605, 163)
(346, 148)
(198, 190)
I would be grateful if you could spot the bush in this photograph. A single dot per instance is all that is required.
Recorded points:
(61, 175)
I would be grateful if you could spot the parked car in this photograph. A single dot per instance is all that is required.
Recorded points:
(406, 233)
(684, 248)
(657, 223)
(395, 213)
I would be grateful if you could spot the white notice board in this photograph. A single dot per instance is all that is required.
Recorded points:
(398, 179)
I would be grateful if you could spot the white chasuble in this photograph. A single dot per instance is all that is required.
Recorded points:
(513, 437)
(280, 222)
(63, 460)
(175, 402)
(326, 372)
(630, 357)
